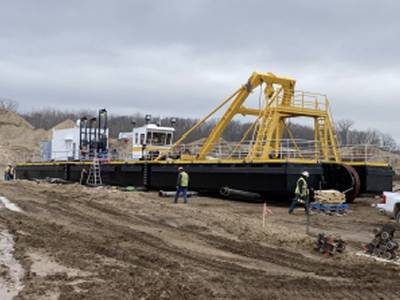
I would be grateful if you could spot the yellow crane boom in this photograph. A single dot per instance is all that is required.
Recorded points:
(280, 103)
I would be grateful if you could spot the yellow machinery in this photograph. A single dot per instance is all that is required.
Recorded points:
(280, 103)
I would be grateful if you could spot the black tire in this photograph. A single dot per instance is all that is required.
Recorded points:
(398, 217)
(385, 235)
(340, 245)
(382, 253)
(387, 255)
(390, 245)
(376, 241)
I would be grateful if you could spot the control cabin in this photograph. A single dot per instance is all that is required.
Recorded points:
(150, 139)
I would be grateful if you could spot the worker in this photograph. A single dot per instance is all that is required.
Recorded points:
(83, 178)
(182, 185)
(302, 192)
(9, 173)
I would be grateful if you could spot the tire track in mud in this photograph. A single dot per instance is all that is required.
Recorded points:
(76, 249)
(300, 262)
(108, 226)
(358, 274)
(383, 287)
(225, 269)
(149, 241)
(283, 258)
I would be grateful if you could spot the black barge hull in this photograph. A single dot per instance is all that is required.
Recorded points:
(267, 179)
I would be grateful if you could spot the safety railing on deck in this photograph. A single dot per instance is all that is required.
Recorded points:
(304, 100)
(364, 153)
(286, 149)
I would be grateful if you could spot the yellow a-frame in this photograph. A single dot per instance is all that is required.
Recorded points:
(281, 102)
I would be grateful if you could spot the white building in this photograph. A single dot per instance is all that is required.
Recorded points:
(65, 144)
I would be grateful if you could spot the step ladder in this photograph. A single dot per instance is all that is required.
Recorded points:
(94, 176)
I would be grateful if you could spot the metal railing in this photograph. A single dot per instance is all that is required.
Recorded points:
(287, 149)
(364, 153)
(304, 100)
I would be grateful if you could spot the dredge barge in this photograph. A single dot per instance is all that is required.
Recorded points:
(267, 160)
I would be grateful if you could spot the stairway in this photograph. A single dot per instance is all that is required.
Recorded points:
(324, 139)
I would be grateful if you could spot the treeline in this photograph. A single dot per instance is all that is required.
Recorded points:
(48, 118)
(346, 135)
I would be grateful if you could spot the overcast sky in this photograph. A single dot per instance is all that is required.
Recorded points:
(182, 57)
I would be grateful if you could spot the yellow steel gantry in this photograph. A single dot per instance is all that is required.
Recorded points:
(281, 102)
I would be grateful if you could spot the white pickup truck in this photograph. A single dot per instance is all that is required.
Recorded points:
(390, 205)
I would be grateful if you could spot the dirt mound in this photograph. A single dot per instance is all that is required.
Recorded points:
(11, 118)
(19, 140)
(68, 123)
(123, 148)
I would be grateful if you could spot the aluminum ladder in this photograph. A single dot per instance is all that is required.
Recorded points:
(94, 176)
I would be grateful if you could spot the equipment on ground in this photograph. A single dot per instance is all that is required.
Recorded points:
(329, 245)
(238, 194)
(340, 208)
(383, 245)
(329, 197)
(165, 194)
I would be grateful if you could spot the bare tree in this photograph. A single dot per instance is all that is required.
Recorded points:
(7, 104)
(343, 131)
(388, 142)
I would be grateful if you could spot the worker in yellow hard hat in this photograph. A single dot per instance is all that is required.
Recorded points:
(9, 173)
(182, 185)
(302, 192)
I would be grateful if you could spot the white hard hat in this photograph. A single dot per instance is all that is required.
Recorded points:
(305, 174)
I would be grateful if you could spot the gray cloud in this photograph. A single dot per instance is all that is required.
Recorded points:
(183, 57)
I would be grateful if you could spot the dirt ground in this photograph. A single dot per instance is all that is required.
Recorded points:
(75, 242)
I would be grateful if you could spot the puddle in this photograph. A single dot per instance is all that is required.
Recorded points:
(9, 205)
(11, 270)
(43, 266)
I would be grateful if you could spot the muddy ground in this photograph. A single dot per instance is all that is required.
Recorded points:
(75, 242)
